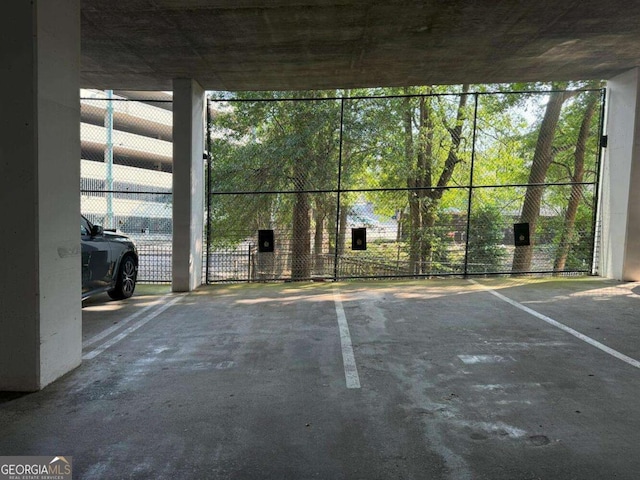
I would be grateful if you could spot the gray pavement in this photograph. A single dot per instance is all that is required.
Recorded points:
(251, 382)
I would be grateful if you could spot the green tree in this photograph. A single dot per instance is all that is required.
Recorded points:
(417, 142)
(432, 145)
(486, 251)
(565, 134)
(279, 146)
(575, 171)
(542, 158)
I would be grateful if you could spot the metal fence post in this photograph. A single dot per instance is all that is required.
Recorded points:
(337, 242)
(595, 246)
(108, 157)
(473, 156)
(208, 192)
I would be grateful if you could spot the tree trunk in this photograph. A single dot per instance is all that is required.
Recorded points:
(428, 220)
(568, 232)
(424, 179)
(541, 160)
(301, 228)
(423, 201)
(414, 232)
(413, 195)
(301, 238)
(342, 234)
(455, 133)
(331, 227)
(430, 202)
(318, 240)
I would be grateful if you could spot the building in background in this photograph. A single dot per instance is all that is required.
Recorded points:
(126, 171)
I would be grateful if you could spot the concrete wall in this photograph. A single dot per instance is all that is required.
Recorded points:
(188, 184)
(40, 307)
(620, 202)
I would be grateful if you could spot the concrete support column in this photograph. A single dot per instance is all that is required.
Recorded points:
(188, 184)
(620, 252)
(40, 298)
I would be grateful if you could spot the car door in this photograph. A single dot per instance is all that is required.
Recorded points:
(96, 258)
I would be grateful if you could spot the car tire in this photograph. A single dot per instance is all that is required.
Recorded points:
(126, 282)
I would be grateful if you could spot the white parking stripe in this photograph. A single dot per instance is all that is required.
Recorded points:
(620, 356)
(122, 323)
(348, 359)
(94, 353)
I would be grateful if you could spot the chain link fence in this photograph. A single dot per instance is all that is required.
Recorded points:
(126, 172)
(437, 181)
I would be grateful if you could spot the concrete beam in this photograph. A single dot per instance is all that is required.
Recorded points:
(329, 44)
(188, 184)
(40, 306)
(620, 256)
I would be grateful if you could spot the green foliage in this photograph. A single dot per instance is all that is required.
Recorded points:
(270, 149)
(277, 149)
(580, 252)
(486, 251)
(561, 169)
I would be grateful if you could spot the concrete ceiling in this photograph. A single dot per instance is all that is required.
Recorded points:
(318, 44)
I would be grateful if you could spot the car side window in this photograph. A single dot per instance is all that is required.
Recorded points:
(85, 229)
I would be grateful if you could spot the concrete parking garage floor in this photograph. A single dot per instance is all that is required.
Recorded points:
(439, 379)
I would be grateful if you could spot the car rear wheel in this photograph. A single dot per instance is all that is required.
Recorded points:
(126, 282)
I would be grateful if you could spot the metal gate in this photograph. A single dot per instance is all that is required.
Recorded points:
(416, 183)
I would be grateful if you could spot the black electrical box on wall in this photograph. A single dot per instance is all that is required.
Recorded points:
(265, 240)
(521, 234)
(358, 239)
